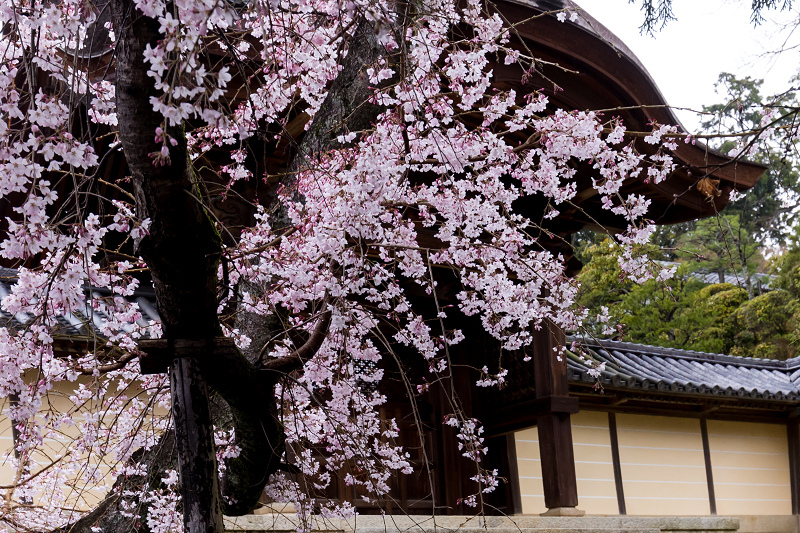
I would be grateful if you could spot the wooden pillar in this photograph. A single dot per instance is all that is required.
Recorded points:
(555, 430)
(617, 464)
(502, 455)
(456, 469)
(194, 437)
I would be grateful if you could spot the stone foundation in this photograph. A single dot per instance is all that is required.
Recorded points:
(497, 524)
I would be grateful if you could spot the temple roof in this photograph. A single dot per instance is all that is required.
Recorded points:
(594, 70)
(580, 65)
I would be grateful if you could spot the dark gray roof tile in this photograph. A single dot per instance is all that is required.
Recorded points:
(88, 322)
(675, 370)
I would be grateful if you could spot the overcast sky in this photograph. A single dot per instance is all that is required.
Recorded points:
(709, 37)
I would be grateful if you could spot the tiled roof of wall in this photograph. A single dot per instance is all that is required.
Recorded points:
(83, 323)
(637, 366)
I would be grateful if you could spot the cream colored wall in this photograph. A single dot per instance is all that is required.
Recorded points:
(55, 445)
(663, 466)
(6, 445)
(750, 465)
(530, 471)
(84, 495)
(593, 466)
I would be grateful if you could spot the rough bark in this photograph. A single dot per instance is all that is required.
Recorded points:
(194, 436)
(249, 394)
(346, 107)
(183, 248)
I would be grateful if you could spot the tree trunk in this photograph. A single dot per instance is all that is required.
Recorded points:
(182, 252)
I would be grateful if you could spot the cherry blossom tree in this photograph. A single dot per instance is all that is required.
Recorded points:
(396, 159)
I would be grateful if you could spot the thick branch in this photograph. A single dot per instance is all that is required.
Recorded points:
(311, 346)
(347, 107)
(182, 253)
(250, 394)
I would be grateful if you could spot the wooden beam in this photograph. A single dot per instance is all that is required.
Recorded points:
(770, 412)
(612, 430)
(712, 499)
(156, 355)
(524, 414)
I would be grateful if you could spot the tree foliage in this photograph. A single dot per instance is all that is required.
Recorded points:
(684, 312)
(658, 13)
(373, 157)
(769, 209)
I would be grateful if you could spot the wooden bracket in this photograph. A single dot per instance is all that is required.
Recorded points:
(155, 355)
(524, 414)
(555, 404)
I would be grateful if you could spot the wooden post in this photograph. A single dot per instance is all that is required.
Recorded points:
(194, 438)
(555, 430)
(457, 469)
(515, 499)
(612, 430)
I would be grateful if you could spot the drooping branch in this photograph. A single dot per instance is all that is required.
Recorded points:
(182, 253)
(251, 396)
(112, 514)
(346, 108)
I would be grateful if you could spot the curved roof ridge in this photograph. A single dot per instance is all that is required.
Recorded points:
(594, 27)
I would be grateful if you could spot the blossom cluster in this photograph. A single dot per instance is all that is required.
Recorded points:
(447, 160)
